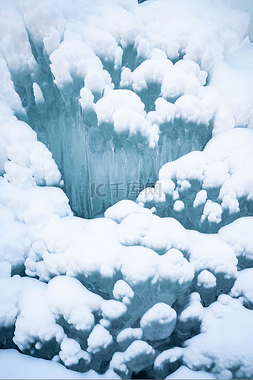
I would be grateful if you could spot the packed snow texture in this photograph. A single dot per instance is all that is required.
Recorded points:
(126, 298)
(95, 98)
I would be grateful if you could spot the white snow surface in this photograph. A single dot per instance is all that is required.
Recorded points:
(243, 286)
(27, 367)
(185, 373)
(219, 348)
(158, 322)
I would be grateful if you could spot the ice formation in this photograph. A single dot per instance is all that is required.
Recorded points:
(126, 189)
(213, 185)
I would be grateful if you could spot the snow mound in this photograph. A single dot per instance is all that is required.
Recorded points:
(238, 235)
(26, 161)
(28, 367)
(122, 209)
(185, 373)
(208, 351)
(213, 186)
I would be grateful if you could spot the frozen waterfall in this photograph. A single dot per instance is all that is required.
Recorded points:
(126, 189)
(110, 137)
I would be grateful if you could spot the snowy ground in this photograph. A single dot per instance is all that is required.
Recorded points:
(126, 189)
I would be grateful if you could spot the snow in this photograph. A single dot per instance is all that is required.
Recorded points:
(178, 206)
(243, 287)
(238, 234)
(72, 60)
(158, 322)
(164, 362)
(139, 355)
(99, 340)
(151, 70)
(159, 63)
(36, 322)
(185, 373)
(71, 352)
(27, 162)
(126, 189)
(27, 367)
(113, 309)
(5, 269)
(14, 242)
(127, 336)
(35, 205)
(200, 198)
(69, 298)
(9, 300)
(114, 100)
(217, 347)
(193, 310)
(123, 292)
(210, 252)
(218, 179)
(206, 279)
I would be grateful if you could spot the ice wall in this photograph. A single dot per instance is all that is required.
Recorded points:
(115, 100)
(109, 150)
